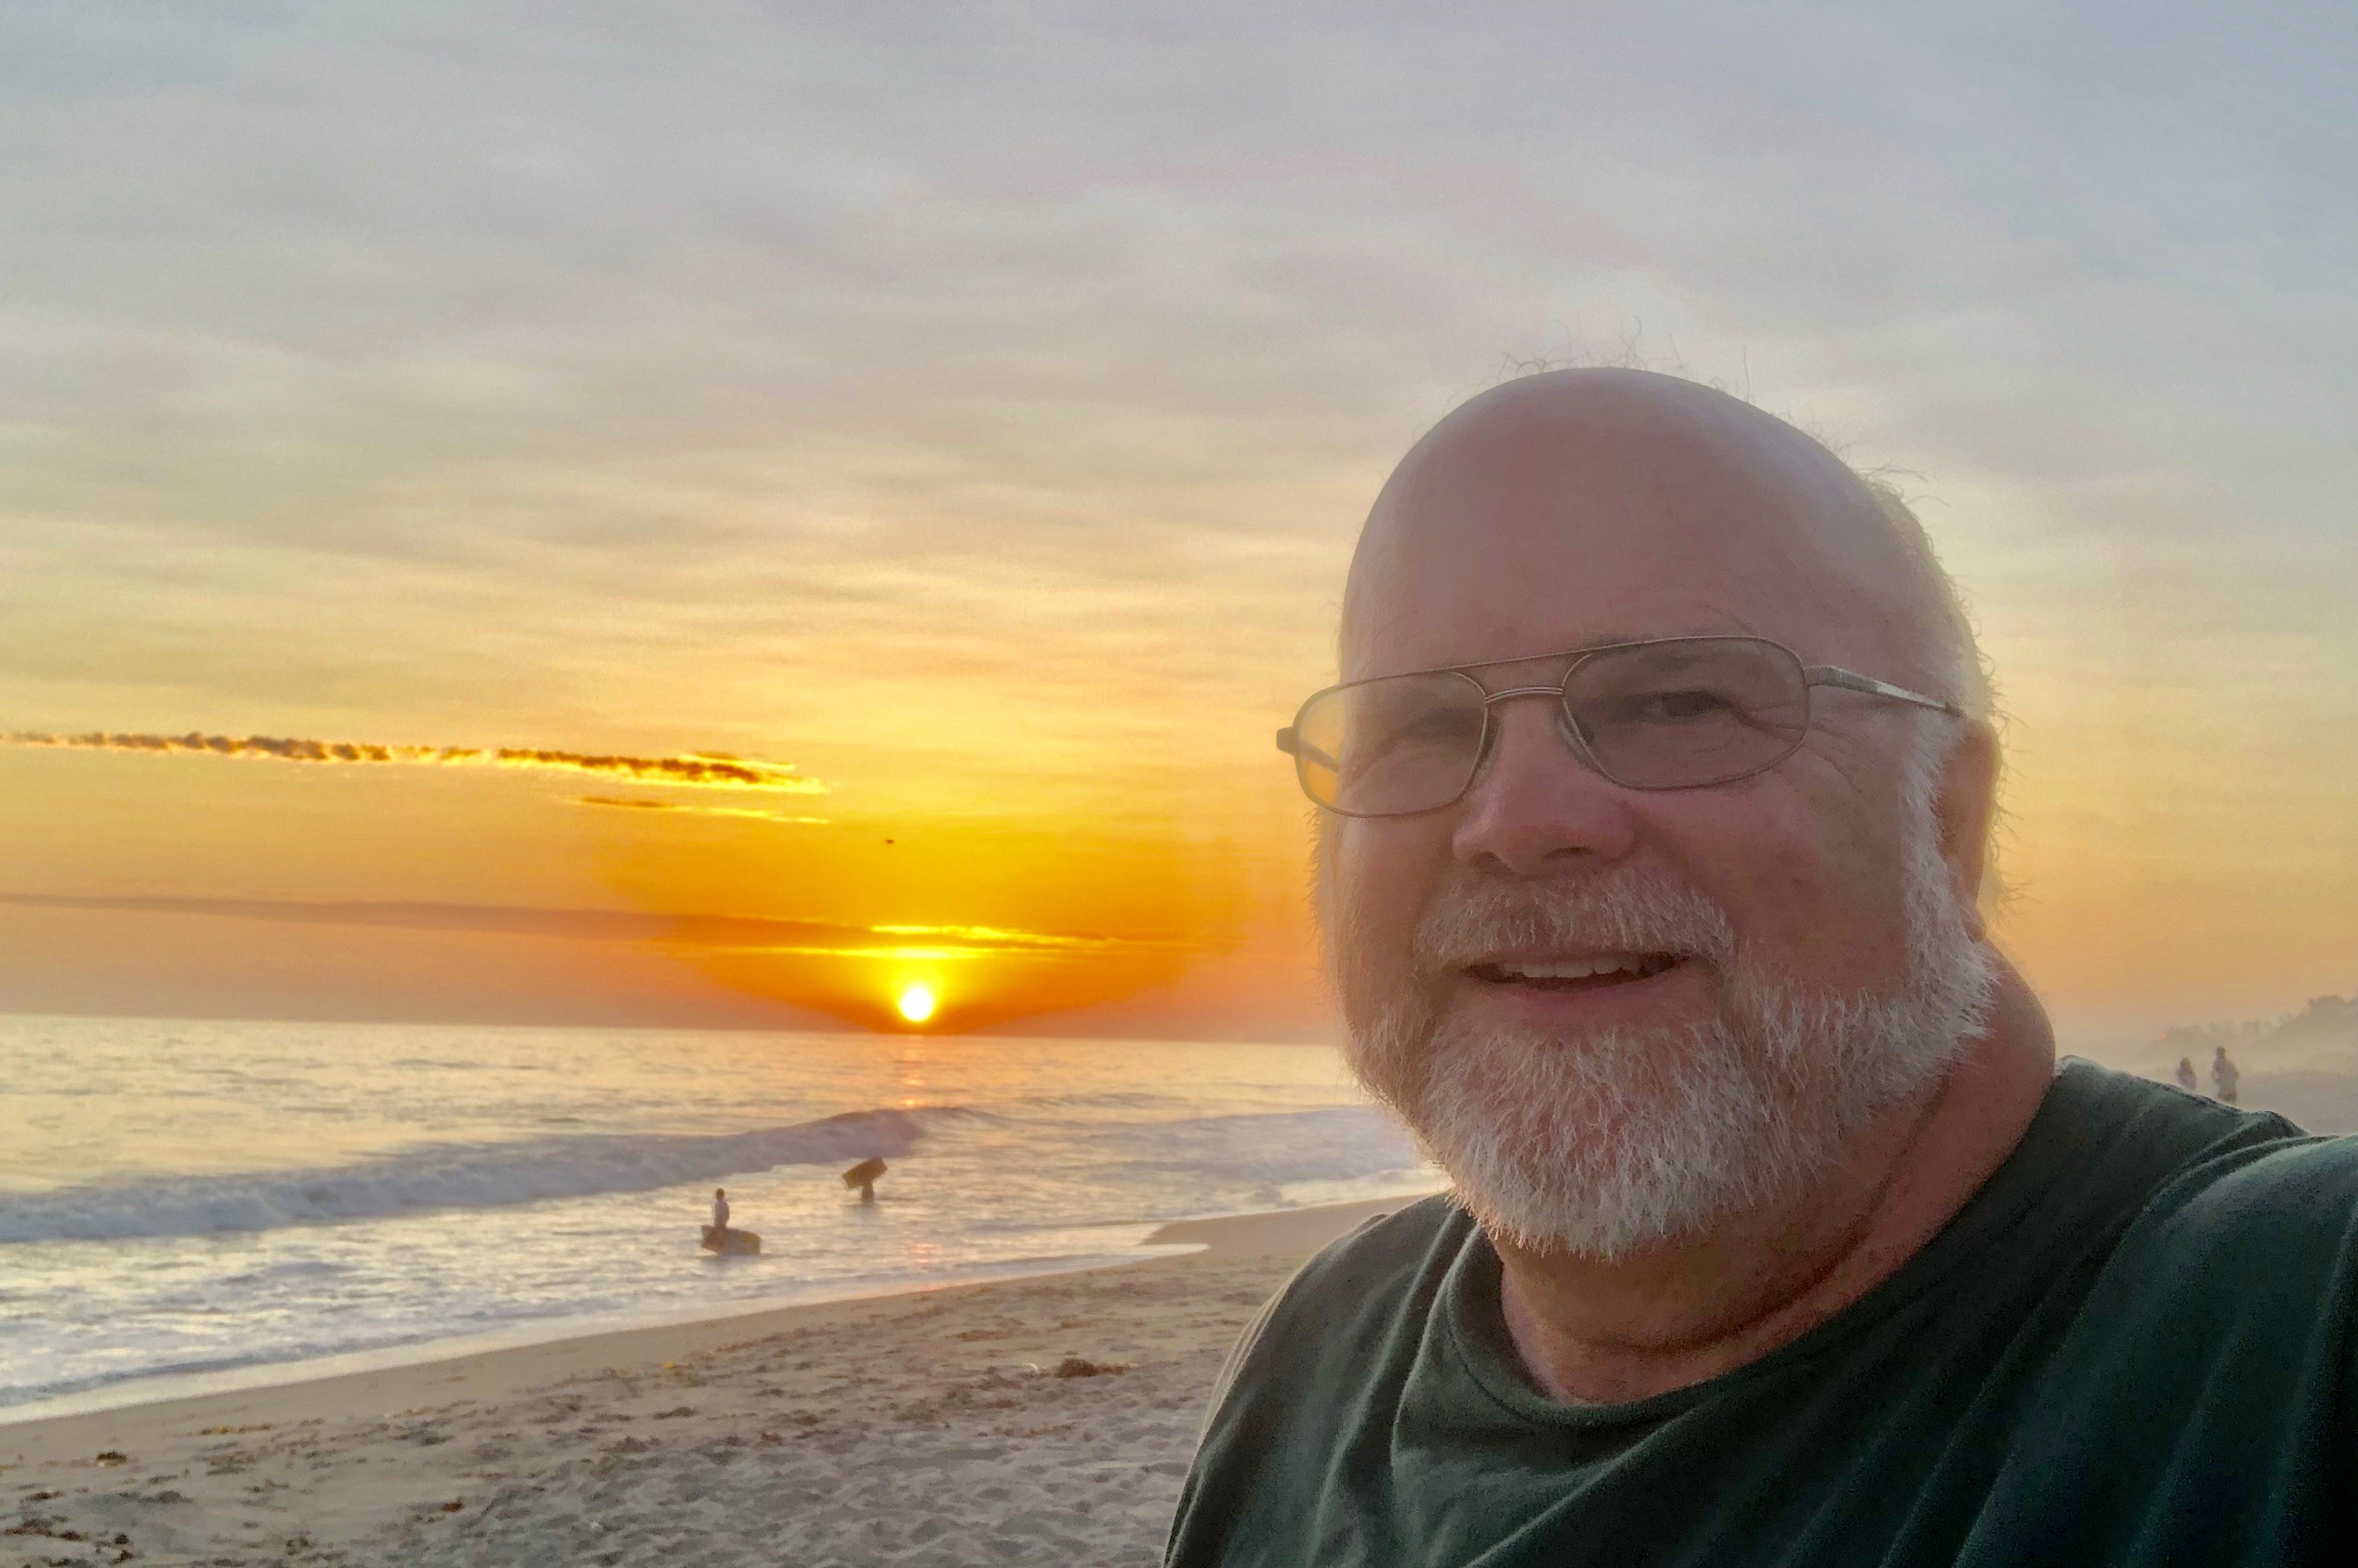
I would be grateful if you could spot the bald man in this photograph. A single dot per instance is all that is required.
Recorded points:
(1655, 802)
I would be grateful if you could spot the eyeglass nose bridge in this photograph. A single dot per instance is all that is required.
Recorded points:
(1566, 726)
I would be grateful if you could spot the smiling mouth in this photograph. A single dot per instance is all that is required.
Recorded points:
(1574, 974)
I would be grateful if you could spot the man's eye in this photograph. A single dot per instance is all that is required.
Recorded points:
(1440, 727)
(1438, 730)
(1676, 707)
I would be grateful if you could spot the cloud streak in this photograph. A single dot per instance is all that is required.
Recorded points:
(673, 807)
(708, 933)
(699, 770)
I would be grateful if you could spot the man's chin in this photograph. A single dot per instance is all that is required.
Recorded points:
(1597, 1145)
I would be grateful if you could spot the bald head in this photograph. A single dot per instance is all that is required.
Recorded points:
(1589, 505)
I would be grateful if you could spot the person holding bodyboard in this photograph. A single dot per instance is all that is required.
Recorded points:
(864, 1176)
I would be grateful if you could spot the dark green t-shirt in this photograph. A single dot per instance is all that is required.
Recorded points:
(2134, 1344)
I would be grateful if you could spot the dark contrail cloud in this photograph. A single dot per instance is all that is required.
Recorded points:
(698, 770)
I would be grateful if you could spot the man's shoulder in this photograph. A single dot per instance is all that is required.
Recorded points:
(1383, 1251)
(1363, 1296)
(1365, 1282)
(2179, 1167)
(2111, 1127)
(2273, 1191)
(2244, 1207)
(2202, 1378)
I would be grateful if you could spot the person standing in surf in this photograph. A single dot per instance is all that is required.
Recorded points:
(2222, 1078)
(720, 1214)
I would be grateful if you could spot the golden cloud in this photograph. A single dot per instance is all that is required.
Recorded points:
(696, 770)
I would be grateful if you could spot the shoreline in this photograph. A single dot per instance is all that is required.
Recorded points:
(280, 1387)
(174, 1387)
(1222, 1235)
(1047, 1419)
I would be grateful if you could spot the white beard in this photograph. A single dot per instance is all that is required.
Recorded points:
(1611, 1142)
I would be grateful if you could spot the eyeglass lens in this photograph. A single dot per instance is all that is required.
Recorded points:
(1668, 714)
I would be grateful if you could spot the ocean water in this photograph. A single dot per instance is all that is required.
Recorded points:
(183, 1198)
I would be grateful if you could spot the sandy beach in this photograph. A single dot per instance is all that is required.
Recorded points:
(1044, 1421)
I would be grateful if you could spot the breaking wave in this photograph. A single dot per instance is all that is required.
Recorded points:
(451, 1176)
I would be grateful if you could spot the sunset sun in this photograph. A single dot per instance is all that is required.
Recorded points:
(917, 1003)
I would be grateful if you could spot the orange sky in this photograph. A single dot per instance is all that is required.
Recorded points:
(975, 418)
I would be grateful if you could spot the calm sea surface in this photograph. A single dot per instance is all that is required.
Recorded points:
(197, 1198)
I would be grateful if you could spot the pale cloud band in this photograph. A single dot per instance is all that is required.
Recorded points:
(678, 808)
(708, 933)
(697, 770)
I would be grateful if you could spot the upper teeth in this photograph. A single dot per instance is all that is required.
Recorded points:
(1572, 969)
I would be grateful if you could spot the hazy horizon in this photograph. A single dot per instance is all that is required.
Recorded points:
(2138, 1044)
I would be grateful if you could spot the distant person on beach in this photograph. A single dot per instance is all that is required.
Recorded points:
(2223, 1076)
(720, 1214)
(2186, 1074)
(1655, 811)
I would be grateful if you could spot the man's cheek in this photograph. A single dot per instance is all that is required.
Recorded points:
(1393, 872)
(1788, 887)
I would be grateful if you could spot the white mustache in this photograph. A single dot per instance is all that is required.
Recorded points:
(1620, 911)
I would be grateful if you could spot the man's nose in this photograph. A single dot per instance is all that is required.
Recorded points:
(1535, 804)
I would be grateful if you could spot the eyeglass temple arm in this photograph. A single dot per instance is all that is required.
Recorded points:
(1851, 680)
(1290, 741)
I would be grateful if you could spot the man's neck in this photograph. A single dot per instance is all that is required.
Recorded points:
(1593, 1332)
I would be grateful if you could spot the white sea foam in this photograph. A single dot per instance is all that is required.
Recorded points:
(451, 1176)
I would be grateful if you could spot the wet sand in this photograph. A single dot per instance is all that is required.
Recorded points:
(1044, 1421)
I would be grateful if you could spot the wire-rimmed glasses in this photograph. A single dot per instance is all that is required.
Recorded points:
(1662, 713)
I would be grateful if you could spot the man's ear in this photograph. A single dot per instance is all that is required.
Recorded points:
(1966, 808)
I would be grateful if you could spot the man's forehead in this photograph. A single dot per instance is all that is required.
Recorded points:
(1477, 593)
(1598, 506)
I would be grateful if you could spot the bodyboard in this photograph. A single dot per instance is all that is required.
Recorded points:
(732, 1243)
